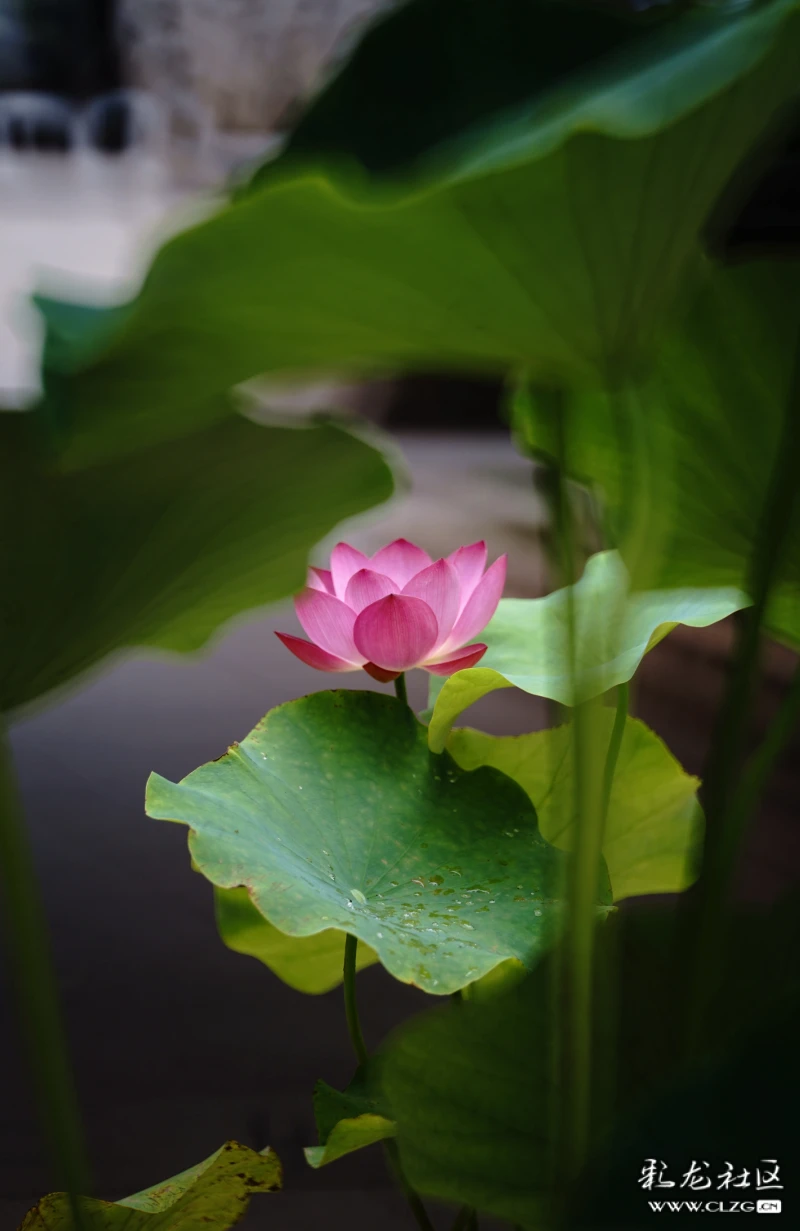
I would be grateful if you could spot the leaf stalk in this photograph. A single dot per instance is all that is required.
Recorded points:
(37, 994)
(362, 1055)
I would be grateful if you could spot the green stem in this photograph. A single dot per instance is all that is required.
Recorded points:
(583, 878)
(29, 953)
(614, 745)
(350, 1003)
(466, 1219)
(706, 923)
(362, 1055)
(400, 688)
(594, 778)
(759, 767)
(756, 773)
(412, 1197)
(580, 935)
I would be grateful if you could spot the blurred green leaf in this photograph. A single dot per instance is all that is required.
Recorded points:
(653, 819)
(311, 964)
(683, 460)
(437, 72)
(351, 1120)
(476, 1088)
(211, 1196)
(614, 629)
(334, 814)
(552, 234)
(473, 1089)
(77, 334)
(160, 548)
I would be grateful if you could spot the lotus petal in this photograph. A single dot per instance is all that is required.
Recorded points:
(396, 632)
(401, 560)
(468, 657)
(313, 656)
(366, 587)
(329, 623)
(320, 579)
(345, 560)
(481, 605)
(438, 586)
(469, 563)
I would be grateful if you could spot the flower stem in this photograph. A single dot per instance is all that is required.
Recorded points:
(411, 1195)
(362, 1055)
(350, 1003)
(400, 688)
(29, 954)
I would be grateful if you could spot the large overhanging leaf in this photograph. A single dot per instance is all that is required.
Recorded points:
(551, 234)
(683, 460)
(75, 334)
(334, 814)
(652, 824)
(528, 639)
(211, 1196)
(160, 547)
(311, 964)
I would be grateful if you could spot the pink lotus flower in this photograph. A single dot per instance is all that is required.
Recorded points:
(397, 610)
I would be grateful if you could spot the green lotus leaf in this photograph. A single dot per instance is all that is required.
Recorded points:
(333, 813)
(351, 1120)
(446, 78)
(614, 628)
(682, 460)
(75, 335)
(481, 1132)
(211, 1196)
(159, 548)
(350, 1134)
(653, 818)
(476, 1088)
(552, 234)
(311, 964)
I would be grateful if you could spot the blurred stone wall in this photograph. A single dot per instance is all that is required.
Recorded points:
(240, 65)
